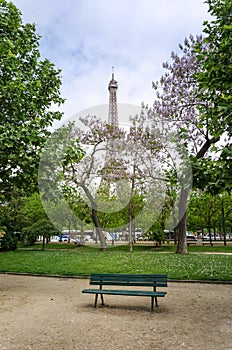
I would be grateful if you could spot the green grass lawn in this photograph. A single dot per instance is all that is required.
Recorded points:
(81, 261)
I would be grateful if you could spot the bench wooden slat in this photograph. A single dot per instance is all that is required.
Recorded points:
(131, 283)
(125, 292)
(125, 279)
(128, 276)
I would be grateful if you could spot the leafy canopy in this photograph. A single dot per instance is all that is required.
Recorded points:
(29, 87)
(216, 63)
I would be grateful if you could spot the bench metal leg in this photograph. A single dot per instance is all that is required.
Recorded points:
(95, 303)
(102, 300)
(156, 302)
(152, 305)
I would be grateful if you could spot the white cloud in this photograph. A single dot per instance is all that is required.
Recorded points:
(86, 37)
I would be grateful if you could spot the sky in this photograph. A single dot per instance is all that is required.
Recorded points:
(85, 38)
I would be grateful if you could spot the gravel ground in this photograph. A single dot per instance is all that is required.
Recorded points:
(42, 313)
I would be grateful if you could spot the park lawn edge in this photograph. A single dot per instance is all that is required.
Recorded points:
(84, 277)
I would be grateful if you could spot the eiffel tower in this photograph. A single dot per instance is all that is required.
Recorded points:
(113, 109)
(111, 170)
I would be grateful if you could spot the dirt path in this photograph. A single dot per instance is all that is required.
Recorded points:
(40, 313)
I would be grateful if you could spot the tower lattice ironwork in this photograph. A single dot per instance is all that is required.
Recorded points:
(113, 109)
(111, 169)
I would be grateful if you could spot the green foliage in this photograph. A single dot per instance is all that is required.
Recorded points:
(33, 210)
(28, 88)
(2, 233)
(224, 168)
(121, 218)
(28, 235)
(11, 212)
(21, 211)
(62, 150)
(157, 233)
(213, 175)
(40, 228)
(8, 242)
(207, 210)
(216, 75)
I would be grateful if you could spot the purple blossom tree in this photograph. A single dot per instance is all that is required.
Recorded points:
(179, 107)
(116, 165)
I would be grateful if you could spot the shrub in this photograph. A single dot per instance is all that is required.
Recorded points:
(8, 241)
(40, 228)
(157, 233)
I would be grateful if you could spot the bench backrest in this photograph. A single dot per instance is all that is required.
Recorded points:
(146, 280)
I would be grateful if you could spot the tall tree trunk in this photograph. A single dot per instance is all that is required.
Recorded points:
(95, 217)
(98, 229)
(82, 239)
(174, 218)
(43, 245)
(182, 241)
(130, 248)
(131, 212)
(210, 235)
(223, 224)
(182, 227)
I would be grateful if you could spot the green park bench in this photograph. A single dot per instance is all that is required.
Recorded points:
(128, 280)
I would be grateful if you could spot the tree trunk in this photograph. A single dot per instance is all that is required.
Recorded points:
(43, 246)
(182, 227)
(131, 212)
(98, 229)
(130, 247)
(223, 225)
(176, 234)
(210, 235)
(175, 226)
(182, 241)
(82, 239)
(95, 218)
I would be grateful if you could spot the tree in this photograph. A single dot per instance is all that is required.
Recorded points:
(28, 88)
(33, 210)
(83, 175)
(206, 207)
(186, 108)
(207, 210)
(225, 207)
(40, 228)
(61, 149)
(177, 105)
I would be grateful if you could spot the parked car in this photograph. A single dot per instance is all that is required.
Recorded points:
(213, 238)
(228, 236)
(63, 238)
(191, 237)
(75, 240)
